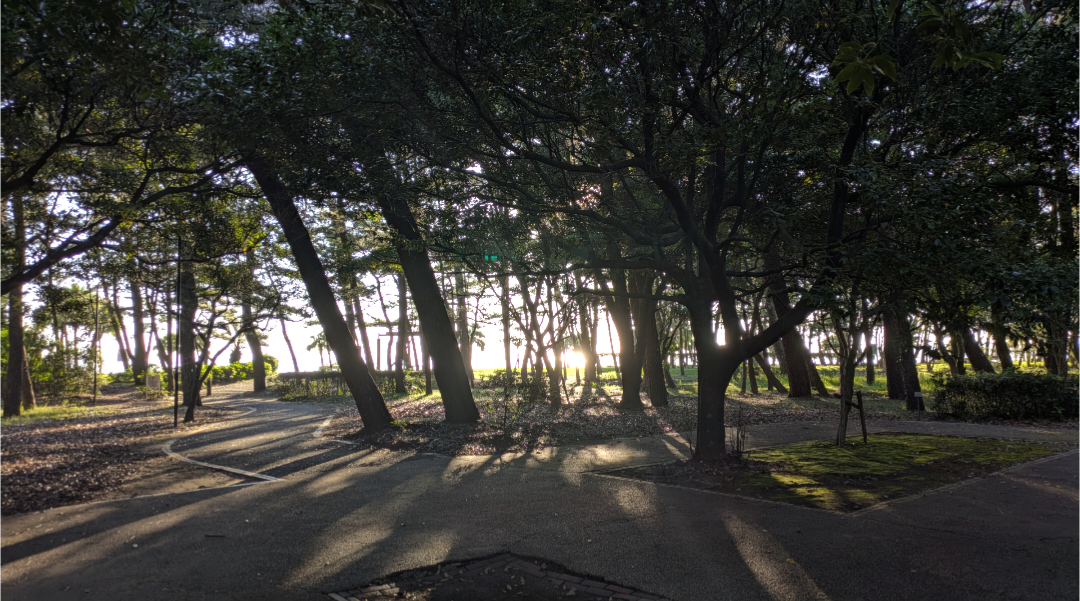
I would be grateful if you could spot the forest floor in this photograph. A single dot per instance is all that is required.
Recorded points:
(75, 451)
(344, 519)
(857, 476)
(514, 426)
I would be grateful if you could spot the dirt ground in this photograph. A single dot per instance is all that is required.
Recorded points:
(584, 420)
(108, 450)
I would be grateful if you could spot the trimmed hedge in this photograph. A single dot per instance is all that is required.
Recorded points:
(236, 372)
(1007, 395)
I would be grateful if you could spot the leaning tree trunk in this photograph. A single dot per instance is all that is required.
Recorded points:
(447, 363)
(979, 361)
(251, 332)
(795, 351)
(369, 401)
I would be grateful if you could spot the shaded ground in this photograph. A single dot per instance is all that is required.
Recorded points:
(501, 578)
(81, 452)
(586, 419)
(818, 474)
(341, 516)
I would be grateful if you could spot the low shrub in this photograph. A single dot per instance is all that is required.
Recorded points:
(238, 372)
(299, 386)
(1008, 395)
(517, 399)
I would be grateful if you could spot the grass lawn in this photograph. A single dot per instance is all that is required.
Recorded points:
(60, 411)
(818, 474)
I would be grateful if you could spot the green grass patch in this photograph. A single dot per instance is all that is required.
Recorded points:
(818, 474)
(58, 412)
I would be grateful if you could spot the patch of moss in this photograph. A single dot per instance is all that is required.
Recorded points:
(59, 412)
(818, 474)
(886, 467)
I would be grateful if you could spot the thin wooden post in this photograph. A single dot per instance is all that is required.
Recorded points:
(862, 414)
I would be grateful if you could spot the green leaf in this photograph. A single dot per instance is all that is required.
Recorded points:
(849, 71)
(895, 4)
(885, 65)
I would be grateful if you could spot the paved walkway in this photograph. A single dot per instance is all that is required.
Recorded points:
(339, 516)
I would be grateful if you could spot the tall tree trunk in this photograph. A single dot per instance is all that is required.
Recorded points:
(979, 361)
(778, 348)
(504, 301)
(648, 339)
(801, 372)
(141, 359)
(464, 340)
(288, 343)
(189, 376)
(361, 324)
(403, 335)
(16, 378)
(629, 365)
(16, 367)
(117, 316)
(447, 363)
(713, 380)
(588, 339)
(901, 370)
(1056, 350)
(871, 350)
(251, 332)
(1001, 340)
(29, 401)
(369, 401)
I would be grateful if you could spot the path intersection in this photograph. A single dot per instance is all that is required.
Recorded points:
(322, 517)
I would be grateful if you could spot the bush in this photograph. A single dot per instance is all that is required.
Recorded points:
(1008, 395)
(518, 398)
(238, 372)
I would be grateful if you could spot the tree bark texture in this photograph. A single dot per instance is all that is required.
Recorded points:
(447, 363)
(464, 339)
(251, 332)
(403, 335)
(629, 366)
(648, 339)
(13, 395)
(140, 361)
(795, 353)
(369, 401)
(189, 303)
(979, 361)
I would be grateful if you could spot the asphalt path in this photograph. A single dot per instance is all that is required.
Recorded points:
(322, 516)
